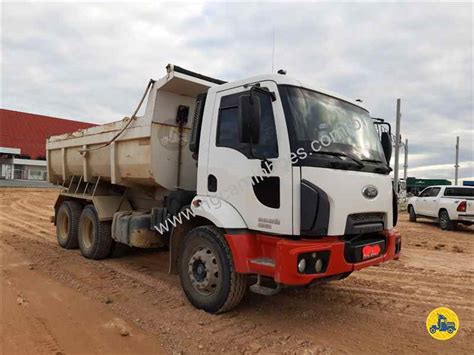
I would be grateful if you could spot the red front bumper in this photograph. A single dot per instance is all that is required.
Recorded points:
(248, 251)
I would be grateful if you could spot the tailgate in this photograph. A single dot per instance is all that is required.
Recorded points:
(470, 207)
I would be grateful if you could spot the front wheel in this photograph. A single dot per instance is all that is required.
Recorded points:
(207, 273)
(412, 213)
(445, 222)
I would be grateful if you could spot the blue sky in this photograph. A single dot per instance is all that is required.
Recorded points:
(91, 61)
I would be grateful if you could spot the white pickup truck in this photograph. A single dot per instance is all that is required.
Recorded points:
(449, 205)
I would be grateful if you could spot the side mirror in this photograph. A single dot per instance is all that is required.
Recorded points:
(386, 141)
(249, 119)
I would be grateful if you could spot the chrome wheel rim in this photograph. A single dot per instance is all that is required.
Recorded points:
(203, 271)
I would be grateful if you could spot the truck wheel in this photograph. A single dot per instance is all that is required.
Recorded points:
(412, 213)
(67, 220)
(445, 222)
(207, 273)
(94, 237)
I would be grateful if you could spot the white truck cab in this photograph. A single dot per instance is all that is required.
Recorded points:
(447, 204)
(293, 147)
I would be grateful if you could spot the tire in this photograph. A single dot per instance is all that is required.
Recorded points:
(445, 222)
(207, 273)
(412, 213)
(67, 222)
(94, 237)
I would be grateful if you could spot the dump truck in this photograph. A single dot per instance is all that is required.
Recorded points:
(261, 183)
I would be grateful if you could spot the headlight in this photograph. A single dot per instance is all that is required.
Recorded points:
(302, 265)
(318, 265)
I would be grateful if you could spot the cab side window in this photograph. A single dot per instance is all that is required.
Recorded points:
(228, 127)
(425, 193)
(435, 191)
(228, 130)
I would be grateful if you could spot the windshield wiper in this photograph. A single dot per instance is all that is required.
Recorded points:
(377, 162)
(373, 161)
(342, 154)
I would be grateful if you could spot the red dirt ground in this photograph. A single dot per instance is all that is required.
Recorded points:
(56, 301)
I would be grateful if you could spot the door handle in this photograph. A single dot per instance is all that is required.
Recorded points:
(211, 183)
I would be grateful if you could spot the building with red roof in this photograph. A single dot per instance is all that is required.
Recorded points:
(23, 142)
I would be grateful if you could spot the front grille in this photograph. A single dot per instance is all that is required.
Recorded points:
(366, 216)
(359, 223)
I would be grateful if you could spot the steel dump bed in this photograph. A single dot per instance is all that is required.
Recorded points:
(150, 150)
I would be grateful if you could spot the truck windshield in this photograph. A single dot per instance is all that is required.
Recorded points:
(324, 124)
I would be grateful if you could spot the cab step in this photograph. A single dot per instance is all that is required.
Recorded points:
(264, 290)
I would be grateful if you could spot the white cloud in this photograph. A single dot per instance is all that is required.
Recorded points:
(90, 61)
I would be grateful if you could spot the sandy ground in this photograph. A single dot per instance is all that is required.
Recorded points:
(54, 301)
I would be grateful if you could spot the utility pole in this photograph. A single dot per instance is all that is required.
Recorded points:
(456, 166)
(397, 147)
(405, 166)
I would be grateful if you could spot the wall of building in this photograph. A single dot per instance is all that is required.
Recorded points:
(6, 170)
(22, 169)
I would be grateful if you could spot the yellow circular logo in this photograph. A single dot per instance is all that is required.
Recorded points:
(442, 323)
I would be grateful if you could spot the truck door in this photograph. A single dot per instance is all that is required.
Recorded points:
(260, 189)
(420, 207)
(431, 203)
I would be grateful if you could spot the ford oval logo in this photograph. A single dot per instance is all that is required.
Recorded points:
(370, 192)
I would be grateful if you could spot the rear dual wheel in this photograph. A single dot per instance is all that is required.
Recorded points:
(78, 227)
(67, 220)
(94, 237)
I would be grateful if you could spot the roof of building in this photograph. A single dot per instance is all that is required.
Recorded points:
(29, 131)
